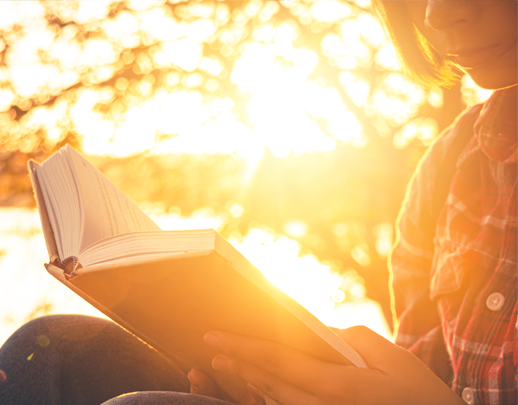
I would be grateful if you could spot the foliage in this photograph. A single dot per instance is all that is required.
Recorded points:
(295, 110)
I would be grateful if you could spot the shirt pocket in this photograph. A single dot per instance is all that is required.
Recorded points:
(451, 262)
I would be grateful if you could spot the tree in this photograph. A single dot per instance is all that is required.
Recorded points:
(296, 110)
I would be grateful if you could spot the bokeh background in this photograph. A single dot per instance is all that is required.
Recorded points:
(287, 126)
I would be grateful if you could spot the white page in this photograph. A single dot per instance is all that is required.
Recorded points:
(146, 244)
(63, 203)
(108, 211)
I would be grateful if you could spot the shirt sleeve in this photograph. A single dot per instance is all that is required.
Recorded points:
(411, 257)
(418, 326)
(417, 321)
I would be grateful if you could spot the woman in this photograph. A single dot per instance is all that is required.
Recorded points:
(454, 268)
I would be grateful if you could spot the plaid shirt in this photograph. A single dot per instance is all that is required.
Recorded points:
(454, 277)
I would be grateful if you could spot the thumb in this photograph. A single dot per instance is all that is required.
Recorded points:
(377, 351)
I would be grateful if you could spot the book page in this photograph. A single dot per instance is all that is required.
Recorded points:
(139, 245)
(108, 211)
(62, 202)
(48, 232)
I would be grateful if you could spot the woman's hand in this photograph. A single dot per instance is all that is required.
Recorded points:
(202, 384)
(285, 376)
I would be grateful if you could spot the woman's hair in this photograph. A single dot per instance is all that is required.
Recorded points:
(417, 56)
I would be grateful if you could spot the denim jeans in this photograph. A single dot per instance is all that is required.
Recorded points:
(81, 360)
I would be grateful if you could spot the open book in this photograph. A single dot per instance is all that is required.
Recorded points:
(167, 287)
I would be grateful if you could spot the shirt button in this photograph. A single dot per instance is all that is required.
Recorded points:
(467, 396)
(495, 301)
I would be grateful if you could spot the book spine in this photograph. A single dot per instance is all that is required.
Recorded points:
(69, 266)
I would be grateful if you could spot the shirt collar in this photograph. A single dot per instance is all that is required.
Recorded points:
(496, 127)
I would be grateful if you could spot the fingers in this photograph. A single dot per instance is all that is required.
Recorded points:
(258, 394)
(378, 352)
(202, 384)
(252, 397)
(270, 385)
(292, 366)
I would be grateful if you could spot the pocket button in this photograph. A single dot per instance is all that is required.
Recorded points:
(467, 396)
(495, 301)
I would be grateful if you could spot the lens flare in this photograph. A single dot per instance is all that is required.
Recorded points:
(169, 80)
(43, 340)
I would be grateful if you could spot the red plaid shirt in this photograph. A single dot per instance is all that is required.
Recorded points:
(454, 278)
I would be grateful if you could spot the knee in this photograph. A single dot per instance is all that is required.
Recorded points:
(43, 323)
(142, 398)
(134, 398)
(163, 398)
(55, 327)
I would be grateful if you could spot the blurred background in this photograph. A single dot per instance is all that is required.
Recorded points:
(287, 126)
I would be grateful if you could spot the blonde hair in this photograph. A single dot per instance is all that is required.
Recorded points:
(417, 57)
